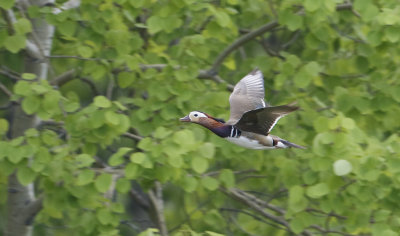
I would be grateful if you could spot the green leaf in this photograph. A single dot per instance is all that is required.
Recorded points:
(227, 178)
(31, 104)
(85, 51)
(104, 216)
(15, 43)
(318, 190)
(125, 79)
(23, 88)
(209, 183)
(392, 33)
(199, 164)
(223, 18)
(312, 5)
(67, 28)
(3, 126)
(207, 150)
(83, 160)
(297, 201)
(366, 9)
(131, 171)
(138, 157)
(184, 138)
(103, 182)
(348, 123)
(123, 185)
(291, 20)
(28, 76)
(313, 68)
(23, 26)
(25, 175)
(162, 132)
(342, 167)
(102, 102)
(175, 161)
(6, 4)
(189, 184)
(146, 144)
(154, 24)
(112, 118)
(85, 177)
(118, 157)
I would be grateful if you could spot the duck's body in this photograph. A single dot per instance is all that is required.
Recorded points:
(251, 118)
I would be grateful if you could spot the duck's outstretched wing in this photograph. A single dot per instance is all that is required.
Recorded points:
(261, 121)
(247, 95)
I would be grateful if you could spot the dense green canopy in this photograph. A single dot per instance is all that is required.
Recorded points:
(98, 149)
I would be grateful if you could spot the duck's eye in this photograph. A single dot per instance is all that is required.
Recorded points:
(195, 115)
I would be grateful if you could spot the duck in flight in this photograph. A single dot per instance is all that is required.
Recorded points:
(251, 119)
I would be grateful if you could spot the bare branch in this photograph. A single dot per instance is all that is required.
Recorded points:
(144, 203)
(258, 205)
(295, 36)
(157, 201)
(260, 31)
(204, 74)
(63, 78)
(110, 87)
(256, 217)
(77, 58)
(5, 90)
(240, 41)
(132, 136)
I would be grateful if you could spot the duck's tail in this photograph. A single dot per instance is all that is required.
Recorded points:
(287, 144)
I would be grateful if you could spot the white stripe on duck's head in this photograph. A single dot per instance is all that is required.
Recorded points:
(195, 117)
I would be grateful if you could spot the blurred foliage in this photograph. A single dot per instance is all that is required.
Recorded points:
(136, 69)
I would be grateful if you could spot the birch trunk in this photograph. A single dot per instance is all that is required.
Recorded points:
(21, 202)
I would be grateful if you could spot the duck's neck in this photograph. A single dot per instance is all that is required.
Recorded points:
(221, 129)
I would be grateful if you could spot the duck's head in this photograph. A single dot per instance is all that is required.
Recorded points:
(200, 118)
(195, 117)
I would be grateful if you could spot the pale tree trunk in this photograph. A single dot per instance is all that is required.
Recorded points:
(22, 206)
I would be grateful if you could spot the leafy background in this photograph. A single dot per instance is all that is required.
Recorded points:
(99, 144)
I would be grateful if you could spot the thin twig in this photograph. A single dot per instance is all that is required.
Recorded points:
(9, 74)
(132, 136)
(293, 39)
(255, 217)
(5, 90)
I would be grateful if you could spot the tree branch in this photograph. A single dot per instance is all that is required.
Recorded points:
(157, 201)
(9, 74)
(257, 32)
(240, 41)
(5, 90)
(63, 78)
(258, 205)
(132, 136)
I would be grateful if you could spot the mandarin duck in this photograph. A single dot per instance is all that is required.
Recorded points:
(251, 119)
